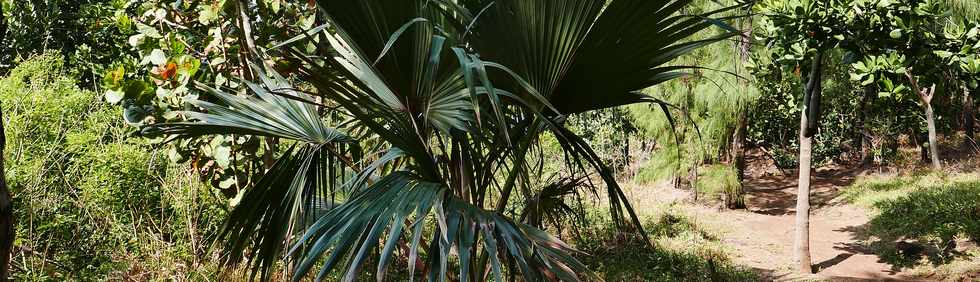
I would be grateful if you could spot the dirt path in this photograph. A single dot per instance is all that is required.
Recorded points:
(763, 234)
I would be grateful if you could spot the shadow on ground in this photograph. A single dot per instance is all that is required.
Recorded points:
(927, 223)
(770, 194)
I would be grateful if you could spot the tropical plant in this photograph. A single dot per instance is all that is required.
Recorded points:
(430, 111)
(804, 31)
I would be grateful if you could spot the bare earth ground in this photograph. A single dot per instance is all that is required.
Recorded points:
(762, 236)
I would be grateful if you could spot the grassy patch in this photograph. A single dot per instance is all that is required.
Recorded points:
(917, 220)
(716, 181)
(721, 181)
(663, 164)
(683, 249)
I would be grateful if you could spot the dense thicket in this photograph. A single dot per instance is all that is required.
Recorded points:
(90, 201)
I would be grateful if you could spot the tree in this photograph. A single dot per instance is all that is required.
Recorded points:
(900, 39)
(804, 31)
(961, 54)
(426, 130)
(172, 43)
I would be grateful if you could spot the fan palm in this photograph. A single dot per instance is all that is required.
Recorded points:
(430, 109)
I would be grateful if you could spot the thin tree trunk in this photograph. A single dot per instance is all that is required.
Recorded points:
(969, 117)
(7, 231)
(802, 245)
(933, 146)
(736, 200)
(862, 139)
(808, 121)
(926, 94)
(6, 211)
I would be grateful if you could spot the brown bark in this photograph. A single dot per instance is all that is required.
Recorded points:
(808, 116)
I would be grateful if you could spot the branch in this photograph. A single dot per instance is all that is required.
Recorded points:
(924, 93)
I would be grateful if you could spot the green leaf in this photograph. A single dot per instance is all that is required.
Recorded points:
(222, 156)
(896, 33)
(148, 31)
(114, 96)
(156, 57)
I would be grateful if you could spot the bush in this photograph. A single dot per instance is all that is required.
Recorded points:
(721, 181)
(91, 203)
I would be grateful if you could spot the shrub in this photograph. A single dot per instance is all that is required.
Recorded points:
(721, 181)
(90, 202)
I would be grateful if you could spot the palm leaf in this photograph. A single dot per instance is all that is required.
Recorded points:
(265, 114)
(354, 228)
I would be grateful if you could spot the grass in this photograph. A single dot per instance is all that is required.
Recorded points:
(714, 182)
(929, 213)
(684, 248)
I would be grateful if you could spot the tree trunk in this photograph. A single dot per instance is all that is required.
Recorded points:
(933, 147)
(737, 198)
(6, 201)
(802, 244)
(862, 140)
(6, 211)
(926, 94)
(809, 116)
(969, 117)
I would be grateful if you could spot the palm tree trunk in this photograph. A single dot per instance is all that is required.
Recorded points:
(808, 121)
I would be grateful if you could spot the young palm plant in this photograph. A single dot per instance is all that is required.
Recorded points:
(414, 147)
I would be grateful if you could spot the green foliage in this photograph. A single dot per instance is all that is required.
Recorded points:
(175, 42)
(609, 132)
(85, 32)
(663, 164)
(721, 181)
(90, 202)
(929, 210)
(445, 113)
(706, 106)
(618, 257)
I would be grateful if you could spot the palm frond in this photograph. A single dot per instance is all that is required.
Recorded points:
(264, 114)
(298, 188)
(401, 204)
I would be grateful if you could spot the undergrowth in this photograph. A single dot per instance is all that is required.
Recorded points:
(923, 221)
(683, 249)
(91, 203)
